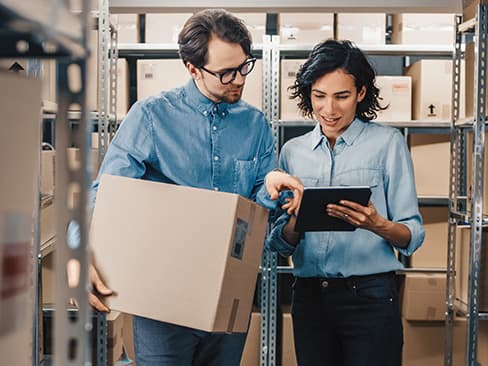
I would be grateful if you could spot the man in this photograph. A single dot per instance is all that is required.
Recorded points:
(199, 135)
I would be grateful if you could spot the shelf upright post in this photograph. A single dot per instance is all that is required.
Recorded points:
(481, 33)
(103, 78)
(72, 344)
(269, 274)
(113, 56)
(455, 173)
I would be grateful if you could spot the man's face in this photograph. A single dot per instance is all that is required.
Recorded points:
(221, 57)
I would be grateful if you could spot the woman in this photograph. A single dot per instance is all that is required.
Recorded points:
(345, 304)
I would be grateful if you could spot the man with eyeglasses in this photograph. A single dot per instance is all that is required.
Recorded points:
(199, 135)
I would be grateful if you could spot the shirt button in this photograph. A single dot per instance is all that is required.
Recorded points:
(205, 113)
(216, 188)
(216, 158)
(214, 128)
(325, 283)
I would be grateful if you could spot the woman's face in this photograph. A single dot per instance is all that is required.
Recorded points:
(334, 99)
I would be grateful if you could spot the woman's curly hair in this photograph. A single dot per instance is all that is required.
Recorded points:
(327, 57)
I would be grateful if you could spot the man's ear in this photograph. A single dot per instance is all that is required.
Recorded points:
(193, 70)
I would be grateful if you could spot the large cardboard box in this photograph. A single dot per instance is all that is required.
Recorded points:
(306, 28)
(433, 252)
(396, 93)
(115, 330)
(191, 256)
(251, 354)
(122, 88)
(48, 277)
(470, 8)
(424, 296)
(20, 104)
(463, 264)
(154, 76)
(288, 356)
(417, 29)
(431, 161)
(424, 343)
(432, 90)
(363, 28)
(256, 24)
(253, 88)
(164, 28)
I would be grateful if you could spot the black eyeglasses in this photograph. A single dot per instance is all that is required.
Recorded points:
(229, 75)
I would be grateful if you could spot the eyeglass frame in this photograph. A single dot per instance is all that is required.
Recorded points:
(234, 70)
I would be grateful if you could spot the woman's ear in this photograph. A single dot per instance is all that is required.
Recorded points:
(361, 94)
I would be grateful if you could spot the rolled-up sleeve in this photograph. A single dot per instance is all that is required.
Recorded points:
(401, 194)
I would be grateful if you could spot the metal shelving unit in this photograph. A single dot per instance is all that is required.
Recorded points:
(48, 29)
(457, 190)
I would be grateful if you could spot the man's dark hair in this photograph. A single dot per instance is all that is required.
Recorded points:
(199, 28)
(327, 57)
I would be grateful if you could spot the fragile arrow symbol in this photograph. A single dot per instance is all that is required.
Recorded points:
(431, 108)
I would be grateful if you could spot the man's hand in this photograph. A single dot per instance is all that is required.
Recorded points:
(98, 287)
(277, 181)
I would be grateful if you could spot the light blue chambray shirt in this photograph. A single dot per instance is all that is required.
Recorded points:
(365, 154)
(182, 137)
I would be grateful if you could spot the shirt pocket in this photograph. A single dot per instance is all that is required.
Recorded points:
(245, 172)
(359, 177)
(309, 182)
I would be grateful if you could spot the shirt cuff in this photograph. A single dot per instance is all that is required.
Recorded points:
(417, 235)
(275, 240)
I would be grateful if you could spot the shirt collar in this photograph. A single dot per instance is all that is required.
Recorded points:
(349, 135)
(200, 101)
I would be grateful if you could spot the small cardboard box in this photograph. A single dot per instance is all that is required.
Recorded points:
(431, 29)
(190, 256)
(424, 296)
(48, 163)
(164, 28)
(432, 90)
(431, 159)
(433, 252)
(154, 76)
(288, 107)
(306, 28)
(47, 224)
(396, 93)
(365, 28)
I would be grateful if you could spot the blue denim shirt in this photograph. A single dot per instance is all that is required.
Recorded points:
(365, 154)
(182, 137)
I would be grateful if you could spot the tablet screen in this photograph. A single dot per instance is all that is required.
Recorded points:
(313, 215)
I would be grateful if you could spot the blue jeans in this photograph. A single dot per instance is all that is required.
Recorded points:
(164, 344)
(351, 321)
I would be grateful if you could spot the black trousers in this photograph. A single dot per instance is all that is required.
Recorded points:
(352, 321)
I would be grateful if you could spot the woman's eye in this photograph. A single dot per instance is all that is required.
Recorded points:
(318, 96)
(342, 96)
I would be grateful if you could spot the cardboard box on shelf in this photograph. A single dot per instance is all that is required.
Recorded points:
(288, 107)
(433, 252)
(48, 163)
(424, 343)
(432, 90)
(256, 24)
(396, 93)
(418, 29)
(48, 277)
(253, 89)
(154, 76)
(115, 330)
(122, 88)
(470, 7)
(306, 28)
(288, 356)
(164, 28)
(128, 337)
(127, 27)
(431, 157)
(362, 28)
(424, 296)
(251, 353)
(223, 245)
